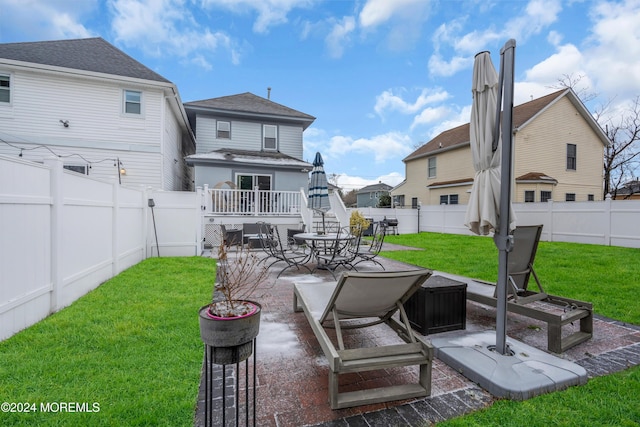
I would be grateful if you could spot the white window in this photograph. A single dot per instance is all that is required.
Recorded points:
(449, 199)
(432, 167)
(5, 88)
(83, 169)
(132, 102)
(572, 163)
(270, 137)
(529, 196)
(223, 129)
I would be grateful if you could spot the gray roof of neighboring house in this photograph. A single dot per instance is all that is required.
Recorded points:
(248, 104)
(375, 187)
(258, 158)
(92, 54)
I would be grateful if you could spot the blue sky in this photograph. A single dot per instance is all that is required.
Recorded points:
(381, 76)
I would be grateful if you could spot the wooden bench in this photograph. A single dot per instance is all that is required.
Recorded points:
(574, 310)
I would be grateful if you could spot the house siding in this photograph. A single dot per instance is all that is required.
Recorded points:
(246, 135)
(173, 159)
(536, 151)
(541, 146)
(98, 130)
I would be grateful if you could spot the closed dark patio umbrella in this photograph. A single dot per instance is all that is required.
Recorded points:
(319, 189)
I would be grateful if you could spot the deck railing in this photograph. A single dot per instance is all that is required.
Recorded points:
(221, 201)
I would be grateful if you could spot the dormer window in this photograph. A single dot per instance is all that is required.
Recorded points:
(269, 137)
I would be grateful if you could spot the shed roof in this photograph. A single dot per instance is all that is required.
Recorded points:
(91, 54)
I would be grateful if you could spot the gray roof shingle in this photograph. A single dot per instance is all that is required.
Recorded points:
(92, 54)
(250, 104)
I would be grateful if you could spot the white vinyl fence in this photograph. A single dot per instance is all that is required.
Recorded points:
(609, 222)
(62, 234)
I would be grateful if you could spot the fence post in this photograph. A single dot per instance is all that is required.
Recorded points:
(608, 213)
(550, 220)
(57, 206)
(200, 210)
(206, 198)
(115, 226)
(256, 201)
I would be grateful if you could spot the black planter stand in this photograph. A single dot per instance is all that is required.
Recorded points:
(238, 354)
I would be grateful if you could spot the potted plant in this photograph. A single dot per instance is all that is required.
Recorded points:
(231, 321)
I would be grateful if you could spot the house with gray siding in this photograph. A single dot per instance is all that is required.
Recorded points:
(247, 142)
(369, 196)
(104, 113)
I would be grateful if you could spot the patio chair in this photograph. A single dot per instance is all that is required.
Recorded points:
(360, 300)
(231, 237)
(342, 253)
(521, 296)
(280, 253)
(370, 252)
(296, 245)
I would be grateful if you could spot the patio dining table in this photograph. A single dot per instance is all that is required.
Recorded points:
(322, 242)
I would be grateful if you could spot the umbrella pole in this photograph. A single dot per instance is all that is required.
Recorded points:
(503, 240)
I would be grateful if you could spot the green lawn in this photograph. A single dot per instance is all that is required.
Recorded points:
(607, 276)
(132, 346)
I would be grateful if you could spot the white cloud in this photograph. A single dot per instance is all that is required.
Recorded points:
(56, 19)
(567, 60)
(430, 115)
(389, 101)
(613, 55)
(461, 118)
(158, 28)
(270, 12)
(440, 67)
(376, 12)
(340, 36)
(383, 147)
(348, 182)
(537, 16)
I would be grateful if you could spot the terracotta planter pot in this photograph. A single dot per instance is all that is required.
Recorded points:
(230, 338)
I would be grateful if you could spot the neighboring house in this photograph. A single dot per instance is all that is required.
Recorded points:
(558, 155)
(247, 141)
(630, 191)
(369, 196)
(101, 111)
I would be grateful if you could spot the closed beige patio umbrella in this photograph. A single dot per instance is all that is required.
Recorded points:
(489, 208)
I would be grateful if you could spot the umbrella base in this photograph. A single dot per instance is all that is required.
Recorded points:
(527, 373)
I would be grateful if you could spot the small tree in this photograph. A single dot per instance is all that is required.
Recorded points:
(237, 278)
(358, 223)
(384, 201)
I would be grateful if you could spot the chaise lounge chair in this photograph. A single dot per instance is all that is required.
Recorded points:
(520, 296)
(359, 300)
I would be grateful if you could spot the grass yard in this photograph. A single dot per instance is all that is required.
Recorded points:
(607, 276)
(132, 346)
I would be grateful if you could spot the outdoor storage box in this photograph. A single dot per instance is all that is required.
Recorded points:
(439, 306)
